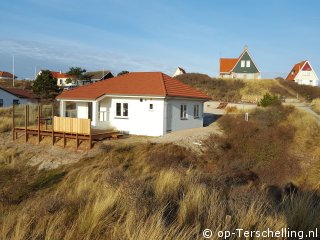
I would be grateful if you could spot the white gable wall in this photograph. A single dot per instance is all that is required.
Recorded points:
(8, 99)
(307, 78)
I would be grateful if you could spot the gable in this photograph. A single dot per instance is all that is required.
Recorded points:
(307, 67)
(240, 69)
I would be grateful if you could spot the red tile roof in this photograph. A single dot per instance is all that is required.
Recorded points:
(60, 75)
(21, 93)
(135, 83)
(6, 75)
(227, 64)
(295, 70)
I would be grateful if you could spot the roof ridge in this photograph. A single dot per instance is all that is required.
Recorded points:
(164, 84)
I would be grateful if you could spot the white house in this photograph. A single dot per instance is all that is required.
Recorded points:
(303, 73)
(178, 72)
(141, 103)
(15, 96)
(62, 79)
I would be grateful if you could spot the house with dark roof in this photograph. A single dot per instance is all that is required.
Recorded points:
(179, 71)
(141, 103)
(303, 73)
(15, 96)
(242, 67)
(99, 75)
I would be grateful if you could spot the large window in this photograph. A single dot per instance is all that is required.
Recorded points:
(243, 63)
(1, 102)
(248, 63)
(122, 109)
(183, 111)
(196, 111)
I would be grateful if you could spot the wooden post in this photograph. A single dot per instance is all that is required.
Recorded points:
(90, 138)
(52, 115)
(39, 124)
(64, 139)
(13, 127)
(77, 141)
(26, 119)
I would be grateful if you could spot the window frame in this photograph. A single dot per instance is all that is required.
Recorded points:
(248, 63)
(243, 63)
(196, 111)
(15, 102)
(122, 110)
(1, 103)
(183, 111)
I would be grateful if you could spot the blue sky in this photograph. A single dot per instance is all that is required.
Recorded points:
(150, 35)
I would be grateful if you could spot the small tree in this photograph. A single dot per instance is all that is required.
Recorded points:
(79, 73)
(122, 73)
(269, 100)
(45, 86)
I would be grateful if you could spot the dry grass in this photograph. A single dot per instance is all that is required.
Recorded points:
(5, 119)
(232, 90)
(315, 104)
(164, 191)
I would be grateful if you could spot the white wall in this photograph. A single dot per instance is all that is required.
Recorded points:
(179, 124)
(8, 99)
(141, 120)
(303, 78)
(82, 109)
(62, 82)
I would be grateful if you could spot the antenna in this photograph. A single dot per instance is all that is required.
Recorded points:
(13, 70)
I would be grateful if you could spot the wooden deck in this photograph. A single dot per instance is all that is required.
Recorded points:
(60, 128)
(96, 135)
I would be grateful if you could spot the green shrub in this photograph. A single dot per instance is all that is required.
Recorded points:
(269, 100)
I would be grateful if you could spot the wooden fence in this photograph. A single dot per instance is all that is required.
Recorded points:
(72, 125)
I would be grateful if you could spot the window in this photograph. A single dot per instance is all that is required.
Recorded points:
(118, 114)
(151, 106)
(61, 81)
(243, 63)
(15, 102)
(248, 63)
(306, 73)
(125, 109)
(1, 102)
(196, 111)
(183, 111)
(141, 99)
(122, 109)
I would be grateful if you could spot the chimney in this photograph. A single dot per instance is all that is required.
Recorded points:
(60, 71)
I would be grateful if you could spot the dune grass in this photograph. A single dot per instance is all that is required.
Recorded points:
(233, 90)
(5, 119)
(315, 104)
(164, 191)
